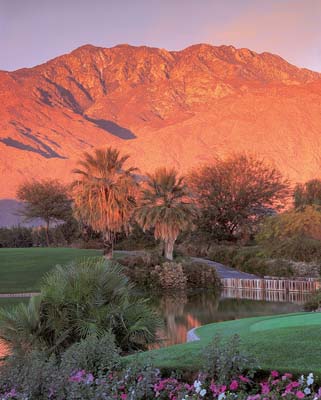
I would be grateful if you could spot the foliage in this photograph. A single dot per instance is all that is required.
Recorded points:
(85, 298)
(146, 383)
(298, 248)
(292, 223)
(170, 275)
(314, 302)
(225, 361)
(165, 206)
(95, 354)
(234, 194)
(250, 259)
(136, 239)
(104, 193)
(307, 194)
(17, 236)
(38, 376)
(46, 199)
(293, 235)
(145, 269)
(200, 275)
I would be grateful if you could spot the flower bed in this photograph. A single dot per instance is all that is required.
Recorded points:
(148, 384)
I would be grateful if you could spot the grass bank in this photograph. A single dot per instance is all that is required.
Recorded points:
(21, 270)
(289, 342)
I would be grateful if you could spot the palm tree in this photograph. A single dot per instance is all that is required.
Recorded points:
(104, 195)
(86, 298)
(165, 206)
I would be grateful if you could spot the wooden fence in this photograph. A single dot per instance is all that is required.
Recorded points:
(301, 285)
(264, 295)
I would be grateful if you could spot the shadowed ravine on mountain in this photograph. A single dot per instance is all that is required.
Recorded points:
(113, 128)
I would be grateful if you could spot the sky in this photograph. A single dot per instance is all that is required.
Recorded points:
(34, 31)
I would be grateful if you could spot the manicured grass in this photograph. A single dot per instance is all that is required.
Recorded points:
(12, 301)
(288, 342)
(21, 270)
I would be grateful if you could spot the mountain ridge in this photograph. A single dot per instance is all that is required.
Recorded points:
(178, 108)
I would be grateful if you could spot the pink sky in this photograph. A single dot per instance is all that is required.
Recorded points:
(33, 31)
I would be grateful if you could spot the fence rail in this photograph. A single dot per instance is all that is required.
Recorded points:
(307, 285)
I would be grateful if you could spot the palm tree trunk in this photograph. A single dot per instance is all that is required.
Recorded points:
(47, 233)
(108, 251)
(169, 248)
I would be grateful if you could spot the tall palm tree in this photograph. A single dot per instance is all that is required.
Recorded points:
(165, 206)
(104, 194)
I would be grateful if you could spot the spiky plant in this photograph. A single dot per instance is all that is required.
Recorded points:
(104, 193)
(85, 298)
(165, 206)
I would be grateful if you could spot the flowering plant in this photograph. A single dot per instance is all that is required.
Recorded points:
(147, 383)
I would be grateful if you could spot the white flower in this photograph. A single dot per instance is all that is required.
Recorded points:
(203, 392)
(198, 386)
(221, 396)
(310, 379)
(307, 391)
(301, 380)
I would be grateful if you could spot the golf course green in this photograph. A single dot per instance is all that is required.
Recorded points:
(288, 342)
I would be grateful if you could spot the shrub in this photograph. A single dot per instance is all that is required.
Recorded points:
(170, 275)
(150, 270)
(314, 301)
(200, 275)
(224, 361)
(291, 224)
(84, 298)
(95, 354)
(17, 236)
(252, 260)
(297, 248)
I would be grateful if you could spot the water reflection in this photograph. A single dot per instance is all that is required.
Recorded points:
(187, 310)
(183, 311)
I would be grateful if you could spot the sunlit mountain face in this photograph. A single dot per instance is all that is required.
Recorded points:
(179, 108)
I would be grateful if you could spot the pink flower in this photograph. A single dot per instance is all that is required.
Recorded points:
(234, 385)
(286, 376)
(300, 395)
(274, 374)
(265, 388)
(77, 377)
(275, 382)
(244, 379)
(255, 397)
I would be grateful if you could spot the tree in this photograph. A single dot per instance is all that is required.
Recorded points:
(80, 300)
(104, 194)
(46, 199)
(307, 194)
(165, 206)
(234, 194)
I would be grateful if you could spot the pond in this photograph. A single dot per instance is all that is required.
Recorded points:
(187, 310)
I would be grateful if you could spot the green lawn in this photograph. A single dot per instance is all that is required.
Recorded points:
(290, 342)
(21, 270)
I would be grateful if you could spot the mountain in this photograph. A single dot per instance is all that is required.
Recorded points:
(179, 108)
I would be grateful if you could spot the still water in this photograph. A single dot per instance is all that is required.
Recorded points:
(188, 310)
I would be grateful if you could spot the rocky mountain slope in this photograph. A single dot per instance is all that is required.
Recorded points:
(179, 108)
